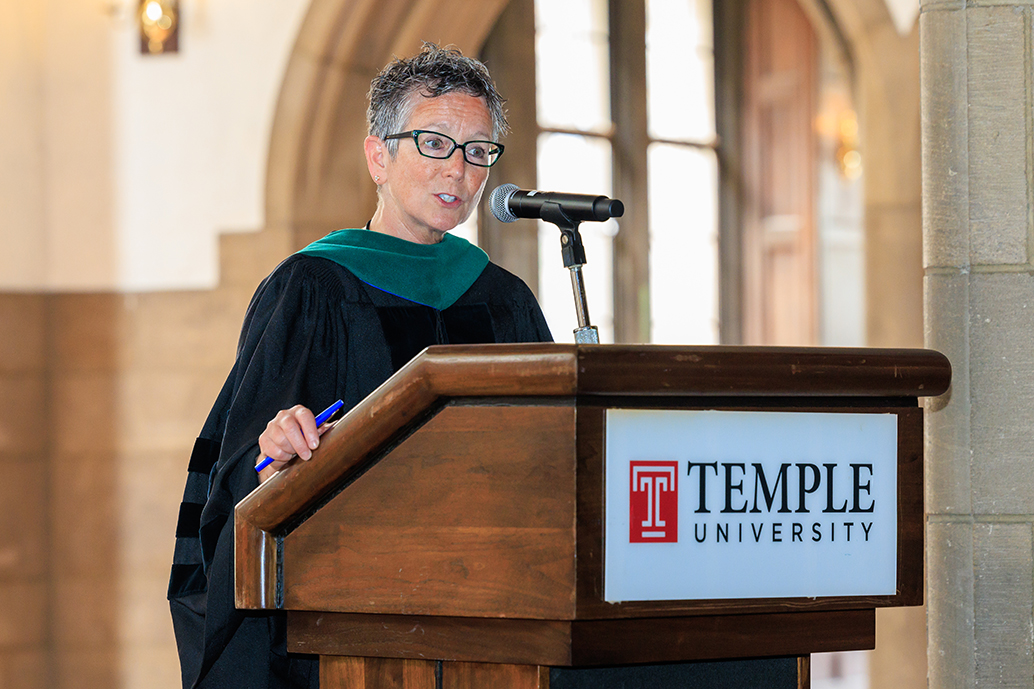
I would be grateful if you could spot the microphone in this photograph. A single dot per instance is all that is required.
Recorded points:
(509, 203)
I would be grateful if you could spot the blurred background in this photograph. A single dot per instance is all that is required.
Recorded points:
(157, 159)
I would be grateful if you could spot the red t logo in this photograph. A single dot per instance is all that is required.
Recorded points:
(654, 502)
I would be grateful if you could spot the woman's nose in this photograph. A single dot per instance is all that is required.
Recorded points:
(455, 165)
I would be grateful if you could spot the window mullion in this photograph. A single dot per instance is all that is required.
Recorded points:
(630, 141)
(509, 53)
(729, 46)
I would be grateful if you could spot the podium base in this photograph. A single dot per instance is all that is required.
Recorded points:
(341, 672)
(771, 673)
(581, 643)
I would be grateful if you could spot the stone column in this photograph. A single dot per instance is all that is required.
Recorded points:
(978, 240)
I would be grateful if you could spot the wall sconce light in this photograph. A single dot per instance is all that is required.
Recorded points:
(849, 160)
(159, 26)
(837, 128)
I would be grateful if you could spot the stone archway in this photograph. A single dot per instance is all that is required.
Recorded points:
(316, 176)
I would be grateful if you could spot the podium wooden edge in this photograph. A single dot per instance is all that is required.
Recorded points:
(255, 562)
(761, 371)
(581, 643)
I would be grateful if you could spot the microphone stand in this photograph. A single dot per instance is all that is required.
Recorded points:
(573, 253)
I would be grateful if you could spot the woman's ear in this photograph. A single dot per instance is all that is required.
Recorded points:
(376, 150)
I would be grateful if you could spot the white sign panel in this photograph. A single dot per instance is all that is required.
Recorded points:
(725, 504)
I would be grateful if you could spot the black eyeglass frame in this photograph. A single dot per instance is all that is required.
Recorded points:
(415, 134)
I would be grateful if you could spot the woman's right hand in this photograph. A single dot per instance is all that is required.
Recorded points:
(291, 433)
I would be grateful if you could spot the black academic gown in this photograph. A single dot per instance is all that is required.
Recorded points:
(314, 333)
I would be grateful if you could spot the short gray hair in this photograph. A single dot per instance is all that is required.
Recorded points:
(430, 73)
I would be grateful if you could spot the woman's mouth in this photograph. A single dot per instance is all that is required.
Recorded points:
(448, 198)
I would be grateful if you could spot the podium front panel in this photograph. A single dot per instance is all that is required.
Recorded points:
(720, 504)
(471, 516)
(906, 585)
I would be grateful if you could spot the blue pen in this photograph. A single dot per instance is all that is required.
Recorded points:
(320, 420)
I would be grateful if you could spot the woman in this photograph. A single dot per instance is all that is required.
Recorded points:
(334, 321)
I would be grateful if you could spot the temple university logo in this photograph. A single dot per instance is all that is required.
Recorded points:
(654, 502)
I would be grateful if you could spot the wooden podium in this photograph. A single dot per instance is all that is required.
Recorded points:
(449, 531)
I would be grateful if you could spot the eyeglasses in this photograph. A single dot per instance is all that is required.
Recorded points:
(435, 145)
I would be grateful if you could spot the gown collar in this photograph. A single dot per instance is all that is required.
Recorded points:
(434, 275)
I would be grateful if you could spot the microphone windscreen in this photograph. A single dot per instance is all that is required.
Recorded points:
(498, 202)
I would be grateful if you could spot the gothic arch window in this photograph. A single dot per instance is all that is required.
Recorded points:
(623, 105)
(739, 225)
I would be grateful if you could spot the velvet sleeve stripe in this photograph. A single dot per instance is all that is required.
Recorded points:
(186, 579)
(203, 456)
(189, 522)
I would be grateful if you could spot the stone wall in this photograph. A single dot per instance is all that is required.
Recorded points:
(24, 532)
(101, 396)
(979, 264)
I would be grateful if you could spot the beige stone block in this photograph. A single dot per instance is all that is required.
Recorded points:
(22, 332)
(890, 117)
(84, 516)
(899, 659)
(150, 490)
(943, 83)
(307, 233)
(1002, 392)
(23, 612)
(341, 193)
(326, 208)
(949, 604)
(184, 331)
(85, 614)
(244, 259)
(87, 331)
(1002, 601)
(145, 621)
(92, 669)
(294, 118)
(894, 233)
(997, 135)
(164, 410)
(23, 415)
(318, 27)
(23, 516)
(84, 412)
(24, 669)
(948, 453)
(151, 667)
